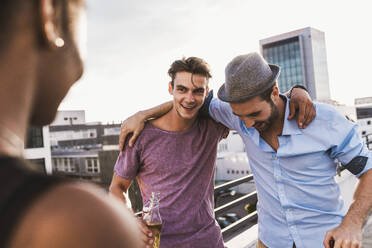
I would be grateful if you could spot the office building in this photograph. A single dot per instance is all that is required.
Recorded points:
(301, 54)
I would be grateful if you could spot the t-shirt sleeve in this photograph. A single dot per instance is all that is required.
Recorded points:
(349, 148)
(128, 162)
(222, 131)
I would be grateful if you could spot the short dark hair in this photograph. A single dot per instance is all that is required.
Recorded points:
(193, 65)
(266, 95)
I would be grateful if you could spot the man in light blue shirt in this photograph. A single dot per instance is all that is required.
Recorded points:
(299, 201)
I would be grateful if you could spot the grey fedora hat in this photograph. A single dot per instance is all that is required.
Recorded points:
(247, 76)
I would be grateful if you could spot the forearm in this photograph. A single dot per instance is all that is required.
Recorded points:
(362, 203)
(118, 193)
(157, 111)
(135, 123)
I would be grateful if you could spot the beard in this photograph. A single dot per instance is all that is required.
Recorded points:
(262, 126)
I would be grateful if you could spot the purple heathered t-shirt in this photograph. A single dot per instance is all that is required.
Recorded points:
(181, 166)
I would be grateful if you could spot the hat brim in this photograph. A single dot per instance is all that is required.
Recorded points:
(224, 97)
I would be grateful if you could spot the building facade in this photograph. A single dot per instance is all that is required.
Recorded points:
(37, 149)
(301, 54)
(69, 117)
(364, 116)
(232, 163)
(81, 150)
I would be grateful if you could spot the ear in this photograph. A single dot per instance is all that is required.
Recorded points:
(275, 93)
(170, 88)
(51, 26)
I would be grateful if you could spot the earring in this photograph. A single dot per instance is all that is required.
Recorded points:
(59, 42)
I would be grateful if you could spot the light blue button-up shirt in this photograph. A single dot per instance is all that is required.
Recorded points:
(299, 200)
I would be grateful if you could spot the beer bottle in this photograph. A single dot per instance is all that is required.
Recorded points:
(152, 218)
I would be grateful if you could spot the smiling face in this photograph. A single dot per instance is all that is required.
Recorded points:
(189, 91)
(257, 113)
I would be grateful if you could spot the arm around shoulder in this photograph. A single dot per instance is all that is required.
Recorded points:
(222, 113)
(135, 123)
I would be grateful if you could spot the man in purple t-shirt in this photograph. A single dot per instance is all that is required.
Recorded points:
(175, 155)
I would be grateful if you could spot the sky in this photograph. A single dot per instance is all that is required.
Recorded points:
(131, 44)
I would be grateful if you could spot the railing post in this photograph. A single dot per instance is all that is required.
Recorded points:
(367, 140)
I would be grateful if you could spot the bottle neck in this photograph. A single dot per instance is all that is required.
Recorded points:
(155, 197)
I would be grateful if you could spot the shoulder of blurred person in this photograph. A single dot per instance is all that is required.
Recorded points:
(40, 61)
(76, 215)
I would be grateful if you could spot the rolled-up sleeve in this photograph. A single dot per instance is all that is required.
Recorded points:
(351, 150)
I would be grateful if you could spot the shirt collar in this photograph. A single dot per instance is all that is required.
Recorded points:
(290, 127)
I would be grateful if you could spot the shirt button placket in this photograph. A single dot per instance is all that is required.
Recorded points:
(276, 167)
(277, 173)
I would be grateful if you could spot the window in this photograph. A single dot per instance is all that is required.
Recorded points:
(92, 165)
(64, 164)
(364, 132)
(35, 137)
(89, 165)
(287, 55)
(363, 113)
(232, 172)
(95, 165)
(228, 171)
(368, 122)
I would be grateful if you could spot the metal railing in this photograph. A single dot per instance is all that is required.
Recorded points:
(245, 221)
(248, 221)
(368, 138)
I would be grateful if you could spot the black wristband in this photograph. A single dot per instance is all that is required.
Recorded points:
(297, 86)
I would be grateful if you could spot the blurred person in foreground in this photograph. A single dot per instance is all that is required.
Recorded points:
(39, 62)
(176, 155)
